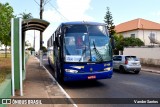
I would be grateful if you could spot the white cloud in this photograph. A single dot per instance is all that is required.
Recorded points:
(73, 10)
(52, 16)
(157, 13)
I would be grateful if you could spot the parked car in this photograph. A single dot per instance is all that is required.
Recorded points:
(126, 63)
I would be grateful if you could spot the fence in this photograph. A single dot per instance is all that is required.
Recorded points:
(149, 56)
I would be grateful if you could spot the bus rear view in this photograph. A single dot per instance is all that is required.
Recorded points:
(84, 52)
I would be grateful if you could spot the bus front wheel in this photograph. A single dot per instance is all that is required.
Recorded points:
(57, 74)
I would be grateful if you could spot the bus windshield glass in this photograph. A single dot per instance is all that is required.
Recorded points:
(86, 43)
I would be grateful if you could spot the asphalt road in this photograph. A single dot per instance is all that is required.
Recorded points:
(143, 85)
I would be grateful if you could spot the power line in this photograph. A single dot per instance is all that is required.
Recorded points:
(59, 12)
(36, 2)
(49, 1)
(44, 2)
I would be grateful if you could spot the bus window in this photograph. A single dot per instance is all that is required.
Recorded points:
(70, 45)
(70, 41)
(79, 42)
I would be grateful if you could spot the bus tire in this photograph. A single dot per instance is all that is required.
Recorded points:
(49, 62)
(57, 73)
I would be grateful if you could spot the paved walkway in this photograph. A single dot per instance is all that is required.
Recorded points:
(39, 84)
(151, 69)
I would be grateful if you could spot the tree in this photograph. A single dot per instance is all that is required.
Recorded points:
(121, 42)
(31, 49)
(130, 41)
(27, 43)
(108, 19)
(44, 49)
(6, 13)
(26, 15)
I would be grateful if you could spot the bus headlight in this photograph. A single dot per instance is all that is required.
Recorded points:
(108, 69)
(71, 70)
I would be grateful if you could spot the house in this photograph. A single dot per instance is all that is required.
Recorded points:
(147, 31)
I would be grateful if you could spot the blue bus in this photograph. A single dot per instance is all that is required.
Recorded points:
(80, 51)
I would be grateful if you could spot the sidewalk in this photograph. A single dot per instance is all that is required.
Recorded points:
(151, 69)
(39, 84)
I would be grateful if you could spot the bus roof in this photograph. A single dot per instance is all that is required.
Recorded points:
(82, 22)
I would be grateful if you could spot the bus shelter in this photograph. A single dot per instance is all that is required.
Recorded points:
(18, 29)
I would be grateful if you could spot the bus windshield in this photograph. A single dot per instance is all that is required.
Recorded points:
(86, 43)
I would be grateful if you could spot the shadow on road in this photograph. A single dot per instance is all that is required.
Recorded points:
(83, 84)
(118, 72)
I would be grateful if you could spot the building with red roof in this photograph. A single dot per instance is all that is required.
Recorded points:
(140, 28)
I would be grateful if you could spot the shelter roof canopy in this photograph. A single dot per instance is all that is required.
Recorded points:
(34, 24)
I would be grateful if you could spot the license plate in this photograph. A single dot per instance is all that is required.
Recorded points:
(134, 63)
(92, 77)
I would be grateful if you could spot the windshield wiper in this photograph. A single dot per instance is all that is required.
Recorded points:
(97, 52)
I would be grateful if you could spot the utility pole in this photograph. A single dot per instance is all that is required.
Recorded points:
(34, 40)
(41, 17)
(41, 36)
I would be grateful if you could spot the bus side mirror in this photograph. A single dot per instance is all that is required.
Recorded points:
(112, 41)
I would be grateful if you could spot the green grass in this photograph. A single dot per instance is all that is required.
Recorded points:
(5, 67)
(2, 55)
(3, 75)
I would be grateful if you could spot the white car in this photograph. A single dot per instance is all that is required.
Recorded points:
(126, 63)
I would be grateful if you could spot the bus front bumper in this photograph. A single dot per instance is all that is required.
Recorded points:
(87, 76)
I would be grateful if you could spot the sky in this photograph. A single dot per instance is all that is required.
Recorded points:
(57, 11)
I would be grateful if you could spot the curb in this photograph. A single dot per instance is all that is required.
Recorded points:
(151, 70)
(59, 85)
(61, 88)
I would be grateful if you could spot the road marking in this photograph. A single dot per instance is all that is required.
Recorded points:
(59, 86)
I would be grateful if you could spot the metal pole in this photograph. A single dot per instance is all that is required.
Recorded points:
(20, 56)
(34, 40)
(12, 50)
